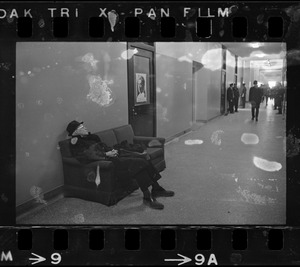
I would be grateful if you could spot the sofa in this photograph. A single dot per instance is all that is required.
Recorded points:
(97, 181)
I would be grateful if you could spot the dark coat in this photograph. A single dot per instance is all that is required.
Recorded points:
(255, 94)
(230, 94)
(236, 92)
(88, 148)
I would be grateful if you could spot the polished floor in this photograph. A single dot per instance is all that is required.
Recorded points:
(228, 171)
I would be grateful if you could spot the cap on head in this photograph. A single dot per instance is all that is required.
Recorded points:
(255, 82)
(72, 127)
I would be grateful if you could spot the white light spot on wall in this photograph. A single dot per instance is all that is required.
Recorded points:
(100, 93)
(89, 59)
(184, 86)
(128, 54)
(249, 139)
(29, 72)
(193, 142)
(269, 166)
(158, 90)
(236, 179)
(39, 102)
(48, 66)
(59, 100)
(20, 105)
(13, 77)
(216, 138)
(56, 63)
(212, 59)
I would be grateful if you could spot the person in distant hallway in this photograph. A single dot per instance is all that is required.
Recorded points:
(236, 94)
(230, 97)
(279, 97)
(243, 95)
(255, 97)
(267, 93)
(87, 147)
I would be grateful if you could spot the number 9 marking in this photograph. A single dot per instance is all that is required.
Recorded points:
(56, 258)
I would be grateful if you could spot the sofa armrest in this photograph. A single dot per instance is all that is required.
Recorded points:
(103, 164)
(149, 141)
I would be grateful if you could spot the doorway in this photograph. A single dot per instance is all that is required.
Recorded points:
(141, 89)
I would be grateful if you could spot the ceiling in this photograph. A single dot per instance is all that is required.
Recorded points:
(257, 51)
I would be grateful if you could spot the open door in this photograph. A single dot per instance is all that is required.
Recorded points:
(141, 89)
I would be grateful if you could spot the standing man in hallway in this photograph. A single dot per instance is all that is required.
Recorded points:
(243, 95)
(236, 97)
(255, 97)
(230, 97)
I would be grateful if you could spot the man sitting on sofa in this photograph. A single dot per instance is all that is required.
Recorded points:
(87, 147)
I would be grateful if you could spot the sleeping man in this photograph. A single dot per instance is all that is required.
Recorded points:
(87, 147)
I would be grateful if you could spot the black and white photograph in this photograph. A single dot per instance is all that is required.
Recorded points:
(141, 88)
(161, 133)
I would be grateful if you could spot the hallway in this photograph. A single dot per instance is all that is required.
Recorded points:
(215, 176)
(223, 183)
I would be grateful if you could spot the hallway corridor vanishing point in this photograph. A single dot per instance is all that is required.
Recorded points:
(232, 170)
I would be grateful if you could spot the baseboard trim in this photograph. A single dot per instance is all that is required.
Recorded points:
(180, 134)
(33, 205)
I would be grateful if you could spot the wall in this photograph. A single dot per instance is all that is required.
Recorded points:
(174, 61)
(230, 68)
(56, 83)
(174, 96)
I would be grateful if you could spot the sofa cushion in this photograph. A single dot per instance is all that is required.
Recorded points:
(108, 137)
(124, 133)
(155, 152)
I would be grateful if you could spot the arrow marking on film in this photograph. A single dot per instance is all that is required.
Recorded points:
(183, 259)
(38, 259)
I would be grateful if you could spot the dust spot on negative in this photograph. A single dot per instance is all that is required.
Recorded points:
(215, 137)
(266, 165)
(128, 54)
(250, 139)
(193, 142)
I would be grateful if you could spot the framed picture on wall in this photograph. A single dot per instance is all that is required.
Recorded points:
(141, 93)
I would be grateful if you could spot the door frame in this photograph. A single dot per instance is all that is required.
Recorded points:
(150, 48)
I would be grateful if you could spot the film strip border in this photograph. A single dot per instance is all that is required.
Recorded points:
(208, 21)
(150, 246)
